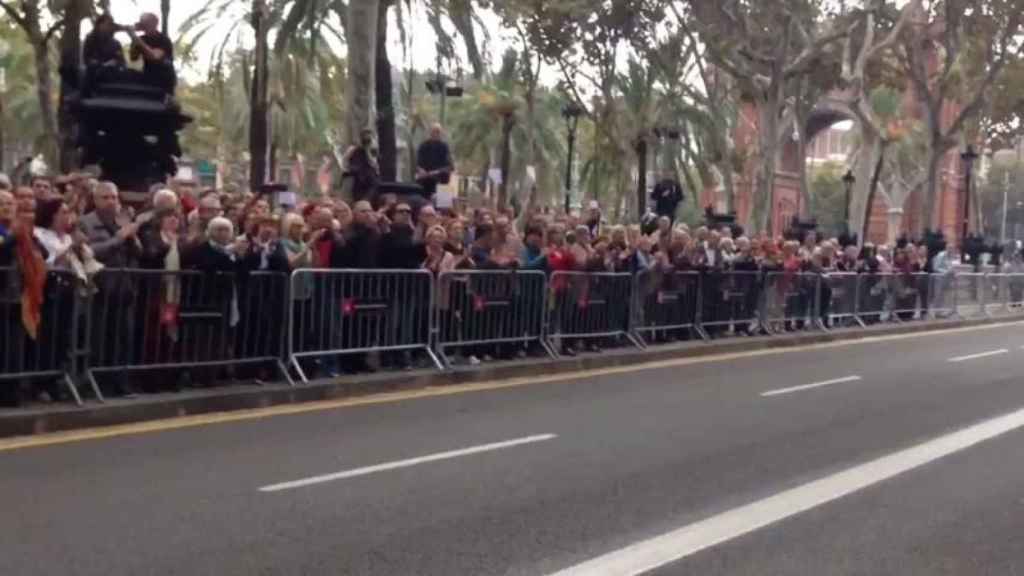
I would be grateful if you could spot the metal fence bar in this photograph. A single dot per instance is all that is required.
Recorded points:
(839, 300)
(970, 295)
(731, 302)
(336, 313)
(908, 296)
(587, 306)
(158, 319)
(791, 301)
(48, 355)
(666, 305)
(478, 310)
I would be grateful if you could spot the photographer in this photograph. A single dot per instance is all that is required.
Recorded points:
(156, 51)
(361, 167)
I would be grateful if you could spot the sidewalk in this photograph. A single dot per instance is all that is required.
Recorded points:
(42, 419)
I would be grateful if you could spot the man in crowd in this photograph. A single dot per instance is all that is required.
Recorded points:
(667, 195)
(361, 167)
(433, 162)
(114, 240)
(42, 187)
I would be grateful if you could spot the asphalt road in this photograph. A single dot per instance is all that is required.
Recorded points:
(897, 456)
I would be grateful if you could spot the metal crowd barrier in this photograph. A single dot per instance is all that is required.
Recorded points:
(53, 353)
(1014, 292)
(586, 306)
(791, 301)
(730, 302)
(908, 296)
(839, 300)
(485, 308)
(194, 320)
(352, 312)
(970, 295)
(942, 294)
(202, 323)
(995, 288)
(666, 305)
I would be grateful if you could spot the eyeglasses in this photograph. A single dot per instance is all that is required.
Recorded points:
(403, 211)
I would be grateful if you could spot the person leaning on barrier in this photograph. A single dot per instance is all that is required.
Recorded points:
(114, 240)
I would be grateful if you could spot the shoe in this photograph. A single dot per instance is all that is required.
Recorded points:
(473, 361)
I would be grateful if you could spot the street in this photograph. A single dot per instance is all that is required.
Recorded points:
(893, 455)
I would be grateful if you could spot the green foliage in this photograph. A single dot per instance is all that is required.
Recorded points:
(829, 193)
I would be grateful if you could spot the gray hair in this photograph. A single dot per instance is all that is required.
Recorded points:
(104, 185)
(165, 198)
(219, 222)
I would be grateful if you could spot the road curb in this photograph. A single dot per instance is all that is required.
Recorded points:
(27, 422)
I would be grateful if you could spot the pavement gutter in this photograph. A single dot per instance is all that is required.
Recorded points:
(60, 418)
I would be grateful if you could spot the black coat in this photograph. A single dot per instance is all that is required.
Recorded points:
(361, 250)
(399, 250)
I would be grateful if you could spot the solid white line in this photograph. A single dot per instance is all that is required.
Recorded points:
(671, 547)
(406, 463)
(810, 386)
(981, 355)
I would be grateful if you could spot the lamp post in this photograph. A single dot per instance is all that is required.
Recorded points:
(571, 112)
(968, 156)
(848, 181)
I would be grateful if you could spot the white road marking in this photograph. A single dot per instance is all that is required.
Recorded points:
(980, 355)
(673, 546)
(406, 463)
(810, 386)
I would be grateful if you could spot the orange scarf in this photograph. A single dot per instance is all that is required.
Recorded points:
(33, 281)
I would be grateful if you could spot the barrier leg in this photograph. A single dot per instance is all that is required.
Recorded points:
(433, 357)
(299, 370)
(95, 386)
(284, 372)
(73, 389)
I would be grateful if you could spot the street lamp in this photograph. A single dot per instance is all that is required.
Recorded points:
(848, 181)
(968, 156)
(571, 112)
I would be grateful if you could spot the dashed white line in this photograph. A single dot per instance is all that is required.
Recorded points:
(406, 463)
(810, 386)
(979, 355)
(673, 546)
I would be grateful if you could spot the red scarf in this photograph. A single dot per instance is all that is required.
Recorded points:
(33, 281)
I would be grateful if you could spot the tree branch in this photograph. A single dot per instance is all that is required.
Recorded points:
(14, 15)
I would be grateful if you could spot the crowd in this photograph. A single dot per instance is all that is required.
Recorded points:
(79, 225)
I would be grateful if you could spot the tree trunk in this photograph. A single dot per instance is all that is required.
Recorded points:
(807, 200)
(876, 174)
(165, 15)
(930, 218)
(259, 93)
(362, 45)
(641, 177)
(70, 50)
(508, 122)
(386, 135)
(764, 191)
(44, 94)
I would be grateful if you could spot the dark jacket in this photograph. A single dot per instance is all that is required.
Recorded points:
(361, 251)
(277, 260)
(400, 251)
